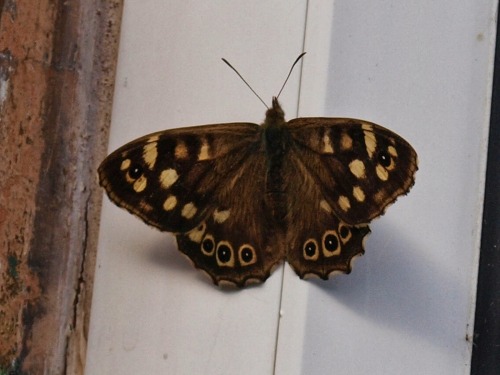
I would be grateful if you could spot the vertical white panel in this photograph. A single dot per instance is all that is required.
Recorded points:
(152, 312)
(422, 69)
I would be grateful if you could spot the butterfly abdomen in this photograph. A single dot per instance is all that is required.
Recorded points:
(276, 140)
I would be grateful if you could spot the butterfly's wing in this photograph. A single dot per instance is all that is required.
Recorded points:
(319, 243)
(341, 174)
(168, 178)
(239, 243)
(360, 167)
(204, 184)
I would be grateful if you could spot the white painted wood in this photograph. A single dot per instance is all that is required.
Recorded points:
(422, 69)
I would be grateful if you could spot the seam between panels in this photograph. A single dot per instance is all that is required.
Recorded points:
(278, 326)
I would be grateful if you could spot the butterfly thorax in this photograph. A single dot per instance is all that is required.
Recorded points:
(274, 131)
(275, 116)
(276, 141)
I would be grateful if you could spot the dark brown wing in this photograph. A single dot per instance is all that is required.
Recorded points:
(207, 185)
(360, 167)
(238, 243)
(168, 179)
(340, 173)
(319, 242)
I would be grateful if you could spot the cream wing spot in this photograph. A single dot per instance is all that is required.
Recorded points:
(369, 138)
(189, 210)
(367, 127)
(345, 141)
(370, 142)
(357, 168)
(204, 153)
(358, 193)
(392, 151)
(168, 177)
(181, 151)
(125, 164)
(344, 203)
(140, 184)
(170, 203)
(325, 206)
(221, 216)
(150, 154)
(196, 235)
(153, 138)
(382, 173)
(327, 144)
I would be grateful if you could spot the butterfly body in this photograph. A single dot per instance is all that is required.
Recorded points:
(241, 198)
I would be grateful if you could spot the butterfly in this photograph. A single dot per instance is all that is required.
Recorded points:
(240, 197)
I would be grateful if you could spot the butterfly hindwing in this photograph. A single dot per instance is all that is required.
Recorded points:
(239, 242)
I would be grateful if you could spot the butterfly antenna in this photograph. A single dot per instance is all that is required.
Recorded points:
(246, 83)
(290, 72)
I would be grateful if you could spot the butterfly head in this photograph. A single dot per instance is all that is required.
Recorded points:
(274, 115)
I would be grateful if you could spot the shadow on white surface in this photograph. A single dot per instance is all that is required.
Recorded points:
(178, 266)
(396, 287)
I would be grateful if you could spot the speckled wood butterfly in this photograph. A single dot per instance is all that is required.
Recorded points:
(240, 197)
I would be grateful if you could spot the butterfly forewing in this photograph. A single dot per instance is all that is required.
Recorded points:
(361, 167)
(168, 178)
